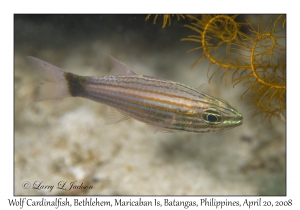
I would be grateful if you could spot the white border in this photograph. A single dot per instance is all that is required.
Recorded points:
(153, 6)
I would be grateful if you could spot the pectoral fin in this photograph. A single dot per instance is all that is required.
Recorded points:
(154, 129)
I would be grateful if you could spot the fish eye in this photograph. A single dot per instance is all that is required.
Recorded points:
(212, 116)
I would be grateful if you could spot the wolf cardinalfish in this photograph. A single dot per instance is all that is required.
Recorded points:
(162, 104)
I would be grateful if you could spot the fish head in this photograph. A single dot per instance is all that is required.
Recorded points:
(221, 116)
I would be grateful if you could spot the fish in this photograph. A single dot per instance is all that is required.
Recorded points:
(163, 105)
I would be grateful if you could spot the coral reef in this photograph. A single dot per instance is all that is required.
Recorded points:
(167, 19)
(255, 57)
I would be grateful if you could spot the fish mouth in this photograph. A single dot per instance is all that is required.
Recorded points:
(234, 121)
(239, 119)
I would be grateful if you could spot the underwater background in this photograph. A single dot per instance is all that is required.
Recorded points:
(67, 139)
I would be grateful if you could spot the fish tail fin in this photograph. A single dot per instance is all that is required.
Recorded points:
(54, 84)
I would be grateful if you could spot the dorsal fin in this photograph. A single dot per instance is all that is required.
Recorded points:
(119, 68)
(203, 87)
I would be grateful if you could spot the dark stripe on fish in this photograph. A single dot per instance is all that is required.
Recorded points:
(76, 84)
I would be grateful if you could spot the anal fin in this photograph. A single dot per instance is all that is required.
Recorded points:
(116, 116)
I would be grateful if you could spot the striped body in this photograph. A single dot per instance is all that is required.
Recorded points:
(162, 104)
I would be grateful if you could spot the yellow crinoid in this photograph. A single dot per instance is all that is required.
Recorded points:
(256, 57)
(166, 19)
